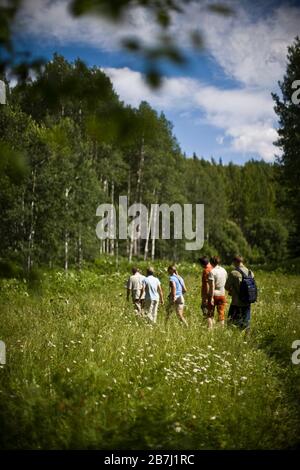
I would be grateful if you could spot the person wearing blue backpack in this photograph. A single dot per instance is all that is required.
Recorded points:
(242, 287)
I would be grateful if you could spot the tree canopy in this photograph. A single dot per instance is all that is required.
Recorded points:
(288, 112)
(61, 158)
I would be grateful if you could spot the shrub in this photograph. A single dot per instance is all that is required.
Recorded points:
(229, 241)
(269, 236)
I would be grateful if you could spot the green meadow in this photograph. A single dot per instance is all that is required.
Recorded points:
(82, 372)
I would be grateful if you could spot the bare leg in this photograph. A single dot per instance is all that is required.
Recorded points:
(179, 311)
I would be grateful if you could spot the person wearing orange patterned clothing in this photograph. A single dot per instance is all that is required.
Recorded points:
(207, 267)
(217, 278)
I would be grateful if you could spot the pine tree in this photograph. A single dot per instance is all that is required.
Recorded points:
(289, 141)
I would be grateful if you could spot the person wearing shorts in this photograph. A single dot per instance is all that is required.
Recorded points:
(216, 292)
(176, 299)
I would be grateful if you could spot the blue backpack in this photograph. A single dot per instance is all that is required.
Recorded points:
(248, 288)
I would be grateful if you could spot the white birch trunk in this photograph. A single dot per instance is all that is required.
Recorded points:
(67, 190)
(131, 246)
(153, 235)
(117, 255)
(112, 242)
(66, 250)
(79, 249)
(146, 249)
(31, 228)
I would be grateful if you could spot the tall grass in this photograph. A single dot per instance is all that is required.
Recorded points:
(83, 372)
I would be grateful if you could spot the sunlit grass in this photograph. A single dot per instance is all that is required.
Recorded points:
(83, 372)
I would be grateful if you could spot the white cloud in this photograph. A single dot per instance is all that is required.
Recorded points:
(245, 116)
(51, 20)
(250, 47)
(256, 138)
(253, 51)
(173, 94)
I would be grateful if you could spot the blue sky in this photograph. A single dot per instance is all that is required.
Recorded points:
(220, 103)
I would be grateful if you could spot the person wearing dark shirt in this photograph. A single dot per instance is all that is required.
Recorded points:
(239, 312)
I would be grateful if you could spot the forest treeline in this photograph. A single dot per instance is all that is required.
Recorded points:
(69, 144)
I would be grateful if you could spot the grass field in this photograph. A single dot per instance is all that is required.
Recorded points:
(83, 372)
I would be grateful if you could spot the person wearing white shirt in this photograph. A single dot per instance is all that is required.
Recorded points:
(153, 294)
(216, 292)
(134, 287)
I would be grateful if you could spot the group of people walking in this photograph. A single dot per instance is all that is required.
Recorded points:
(146, 292)
(240, 285)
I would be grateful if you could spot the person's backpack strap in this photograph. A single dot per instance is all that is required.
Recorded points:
(182, 285)
(243, 274)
